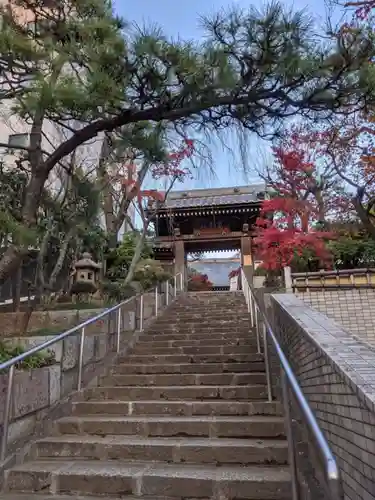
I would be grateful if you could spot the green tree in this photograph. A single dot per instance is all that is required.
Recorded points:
(119, 259)
(117, 165)
(12, 191)
(82, 67)
(66, 221)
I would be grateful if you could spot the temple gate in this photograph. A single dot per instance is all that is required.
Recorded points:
(203, 220)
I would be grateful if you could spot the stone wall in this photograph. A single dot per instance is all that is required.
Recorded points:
(11, 322)
(353, 309)
(36, 391)
(337, 375)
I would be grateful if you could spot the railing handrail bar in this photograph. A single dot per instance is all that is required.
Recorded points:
(67, 333)
(332, 470)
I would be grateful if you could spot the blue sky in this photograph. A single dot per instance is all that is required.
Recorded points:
(180, 19)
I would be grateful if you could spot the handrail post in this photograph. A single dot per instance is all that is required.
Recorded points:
(118, 330)
(141, 314)
(289, 432)
(267, 363)
(181, 282)
(250, 306)
(156, 300)
(175, 285)
(80, 359)
(8, 402)
(167, 292)
(256, 310)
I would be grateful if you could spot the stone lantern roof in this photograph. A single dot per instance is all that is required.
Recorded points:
(86, 262)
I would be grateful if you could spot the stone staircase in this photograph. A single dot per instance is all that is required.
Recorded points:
(183, 415)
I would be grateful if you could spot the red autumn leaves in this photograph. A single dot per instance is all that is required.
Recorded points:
(285, 227)
(170, 168)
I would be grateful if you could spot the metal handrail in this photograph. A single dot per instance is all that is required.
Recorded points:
(289, 381)
(11, 363)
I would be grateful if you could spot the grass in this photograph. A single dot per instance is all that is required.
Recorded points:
(38, 360)
(47, 330)
(69, 306)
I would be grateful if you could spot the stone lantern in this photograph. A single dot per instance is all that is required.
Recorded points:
(86, 275)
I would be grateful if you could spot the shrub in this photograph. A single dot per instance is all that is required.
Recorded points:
(83, 287)
(116, 291)
(234, 272)
(200, 283)
(38, 360)
(149, 273)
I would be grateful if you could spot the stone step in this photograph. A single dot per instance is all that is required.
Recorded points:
(128, 368)
(172, 450)
(36, 496)
(202, 332)
(235, 340)
(177, 408)
(202, 349)
(179, 393)
(203, 306)
(150, 337)
(200, 323)
(192, 359)
(203, 302)
(109, 478)
(205, 312)
(178, 379)
(230, 307)
(207, 308)
(197, 333)
(254, 426)
(214, 314)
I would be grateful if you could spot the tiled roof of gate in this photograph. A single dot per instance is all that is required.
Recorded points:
(209, 201)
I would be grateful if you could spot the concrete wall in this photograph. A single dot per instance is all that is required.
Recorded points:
(36, 391)
(12, 322)
(337, 375)
(353, 309)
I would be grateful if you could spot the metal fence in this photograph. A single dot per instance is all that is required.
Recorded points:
(163, 294)
(268, 344)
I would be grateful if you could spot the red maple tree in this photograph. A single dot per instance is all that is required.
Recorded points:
(350, 150)
(362, 8)
(200, 282)
(286, 227)
(234, 272)
(171, 169)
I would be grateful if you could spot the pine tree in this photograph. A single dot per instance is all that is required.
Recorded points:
(79, 66)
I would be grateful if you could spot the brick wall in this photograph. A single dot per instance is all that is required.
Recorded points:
(337, 375)
(353, 309)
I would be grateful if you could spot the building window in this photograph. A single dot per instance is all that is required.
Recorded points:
(20, 140)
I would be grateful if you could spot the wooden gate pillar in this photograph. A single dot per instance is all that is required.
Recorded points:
(180, 261)
(247, 261)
